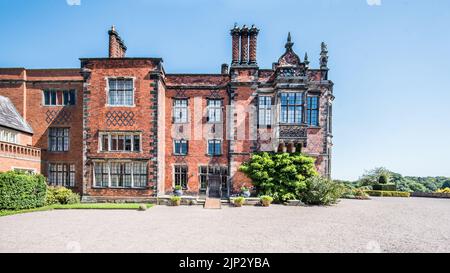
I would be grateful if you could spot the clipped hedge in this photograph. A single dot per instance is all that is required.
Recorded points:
(384, 187)
(21, 191)
(388, 193)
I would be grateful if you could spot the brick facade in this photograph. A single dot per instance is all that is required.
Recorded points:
(96, 120)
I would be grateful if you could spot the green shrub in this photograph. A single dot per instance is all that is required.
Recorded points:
(445, 190)
(239, 201)
(244, 189)
(277, 174)
(388, 193)
(288, 196)
(266, 200)
(384, 187)
(321, 191)
(21, 191)
(178, 188)
(61, 195)
(175, 200)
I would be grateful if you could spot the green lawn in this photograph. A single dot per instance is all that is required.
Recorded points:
(131, 206)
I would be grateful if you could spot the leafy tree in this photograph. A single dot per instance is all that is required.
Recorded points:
(280, 175)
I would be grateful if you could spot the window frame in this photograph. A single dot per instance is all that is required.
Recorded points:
(266, 109)
(213, 108)
(180, 174)
(133, 89)
(215, 142)
(310, 111)
(9, 136)
(106, 170)
(178, 109)
(56, 138)
(69, 169)
(182, 141)
(286, 119)
(132, 136)
(63, 99)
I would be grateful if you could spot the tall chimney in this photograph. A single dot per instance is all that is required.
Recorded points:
(117, 47)
(244, 45)
(235, 32)
(253, 43)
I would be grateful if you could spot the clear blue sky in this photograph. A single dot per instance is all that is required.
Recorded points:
(390, 62)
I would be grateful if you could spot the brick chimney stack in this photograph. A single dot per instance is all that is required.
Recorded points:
(244, 45)
(235, 34)
(253, 43)
(117, 47)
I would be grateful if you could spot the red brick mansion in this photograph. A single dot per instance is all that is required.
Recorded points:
(121, 127)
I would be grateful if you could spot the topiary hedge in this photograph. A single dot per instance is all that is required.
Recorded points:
(384, 187)
(388, 193)
(21, 191)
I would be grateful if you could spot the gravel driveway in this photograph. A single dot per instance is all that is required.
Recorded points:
(378, 225)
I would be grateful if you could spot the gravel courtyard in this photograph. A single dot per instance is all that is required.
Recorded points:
(378, 225)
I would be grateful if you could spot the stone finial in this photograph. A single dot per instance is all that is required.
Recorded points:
(306, 59)
(323, 56)
(289, 42)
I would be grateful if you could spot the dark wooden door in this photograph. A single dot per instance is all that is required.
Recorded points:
(214, 186)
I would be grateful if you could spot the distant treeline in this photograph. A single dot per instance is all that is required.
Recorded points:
(403, 183)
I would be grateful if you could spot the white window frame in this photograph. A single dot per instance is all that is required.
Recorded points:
(94, 184)
(266, 110)
(10, 136)
(214, 109)
(177, 109)
(110, 134)
(120, 78)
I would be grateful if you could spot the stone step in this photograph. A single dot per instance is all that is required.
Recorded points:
(213, 203)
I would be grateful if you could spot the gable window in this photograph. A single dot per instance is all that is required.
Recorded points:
(291, 108)
(180, 176)
(61, 174)
(121, 92)
(312, 112)
(120, 142)
(214, 109)
(180, 110)
(58, 139)
(214, 147)
(265, 110)
(116, 174)
(59, 97)
(180, 147)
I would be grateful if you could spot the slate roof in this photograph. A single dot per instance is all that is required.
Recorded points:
(10, 118)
